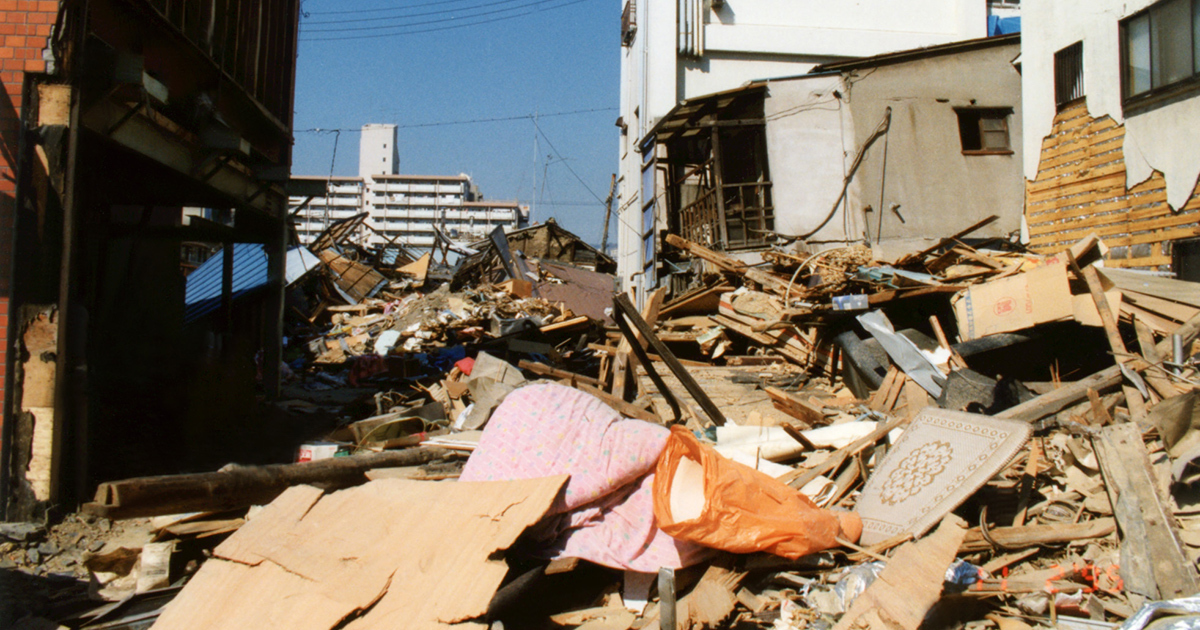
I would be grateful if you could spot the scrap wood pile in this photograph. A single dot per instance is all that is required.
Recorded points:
(763, 451)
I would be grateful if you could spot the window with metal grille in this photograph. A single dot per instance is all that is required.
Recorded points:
(984, 130)
(628, 23)
(1068, 74)
(1160, 50)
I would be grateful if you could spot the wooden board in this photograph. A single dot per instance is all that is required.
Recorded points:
(1153, 562)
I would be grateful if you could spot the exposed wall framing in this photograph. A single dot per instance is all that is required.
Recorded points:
(1080, 188)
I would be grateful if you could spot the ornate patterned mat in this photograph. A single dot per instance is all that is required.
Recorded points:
(941, 459)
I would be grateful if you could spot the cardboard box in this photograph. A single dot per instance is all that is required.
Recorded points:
(1027, 299)
(1014, 303)
(314, 451)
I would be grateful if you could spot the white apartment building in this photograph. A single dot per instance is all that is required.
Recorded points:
(675, 50)
(403, 208)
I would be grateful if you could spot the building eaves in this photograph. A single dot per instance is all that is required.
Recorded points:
(915, 54)
(687, 112)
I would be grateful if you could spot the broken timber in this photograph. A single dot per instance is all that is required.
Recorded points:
(240, 486)
(1153, 562)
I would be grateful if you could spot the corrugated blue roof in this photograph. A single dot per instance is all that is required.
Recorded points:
(203, 293)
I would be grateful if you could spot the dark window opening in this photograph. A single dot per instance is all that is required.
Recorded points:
(628, 23)
(1160, 49)
(1185, 259)
(984, 130)
(1068, 75)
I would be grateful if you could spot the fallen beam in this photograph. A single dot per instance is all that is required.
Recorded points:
(240, 486)
(1071, 393)
(1012, 538)
(1153, 561)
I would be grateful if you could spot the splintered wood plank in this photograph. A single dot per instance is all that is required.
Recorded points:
(910, 584)
(1156, 379)
(879, 398)
(1133, 397)
(796, 407)
(1033, 535)
(1153, 562)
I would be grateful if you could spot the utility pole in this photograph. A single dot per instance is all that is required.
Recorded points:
(612, 189)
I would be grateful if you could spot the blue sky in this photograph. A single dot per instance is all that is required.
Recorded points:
(535, 56)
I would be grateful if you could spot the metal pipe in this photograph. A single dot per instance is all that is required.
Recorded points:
(1177, 346)
(666, 599)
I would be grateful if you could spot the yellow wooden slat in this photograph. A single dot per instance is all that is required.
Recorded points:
(1084, 175)
(1106, 181)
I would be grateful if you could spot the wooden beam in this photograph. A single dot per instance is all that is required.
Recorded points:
(1013, 538)
(627, 409)
(1153, 561)
(1133, 397)
(240, 486)
(729, 264)
(545, 370)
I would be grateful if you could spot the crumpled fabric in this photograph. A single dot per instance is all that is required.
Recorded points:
(606, 513)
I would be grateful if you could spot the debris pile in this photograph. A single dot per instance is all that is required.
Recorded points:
(957, 437)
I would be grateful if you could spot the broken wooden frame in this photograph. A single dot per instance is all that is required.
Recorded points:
(634, 319)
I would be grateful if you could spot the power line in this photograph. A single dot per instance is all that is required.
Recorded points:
(380, 27)
(585, 186)
(405, 17)
(564, 161)
(347, 11)
(468, 122)
(433, 30)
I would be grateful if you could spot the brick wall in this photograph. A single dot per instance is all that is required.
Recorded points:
(24, 29)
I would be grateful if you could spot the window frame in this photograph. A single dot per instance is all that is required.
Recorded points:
(1060, 56)
(1000, 113)
(1155, 94)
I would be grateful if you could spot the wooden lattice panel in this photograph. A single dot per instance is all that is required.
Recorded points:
(1080, 188)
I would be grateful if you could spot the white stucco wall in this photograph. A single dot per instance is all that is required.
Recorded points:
(810, 137)
(1162, 139)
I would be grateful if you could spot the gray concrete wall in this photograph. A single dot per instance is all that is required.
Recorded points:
(816, 126)
(940, 190)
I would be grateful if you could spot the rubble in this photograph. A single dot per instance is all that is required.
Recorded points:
(1015, 432)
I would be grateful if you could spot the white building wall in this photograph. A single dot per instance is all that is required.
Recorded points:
(745, 40)
(1162, 138)
(377, 151)
(810, 143)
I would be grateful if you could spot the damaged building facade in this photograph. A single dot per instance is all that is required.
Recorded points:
(120, 114)
(1112, 123)
(678, 50)
(881, 150)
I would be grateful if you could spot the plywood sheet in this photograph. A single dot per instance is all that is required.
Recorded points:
(390, 553)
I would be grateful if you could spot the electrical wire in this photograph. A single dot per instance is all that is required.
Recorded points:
(442, 28)
(380, 27)
(585, 186)
(564, 161)
(467, 122)
(381, 10)
(481, 5)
